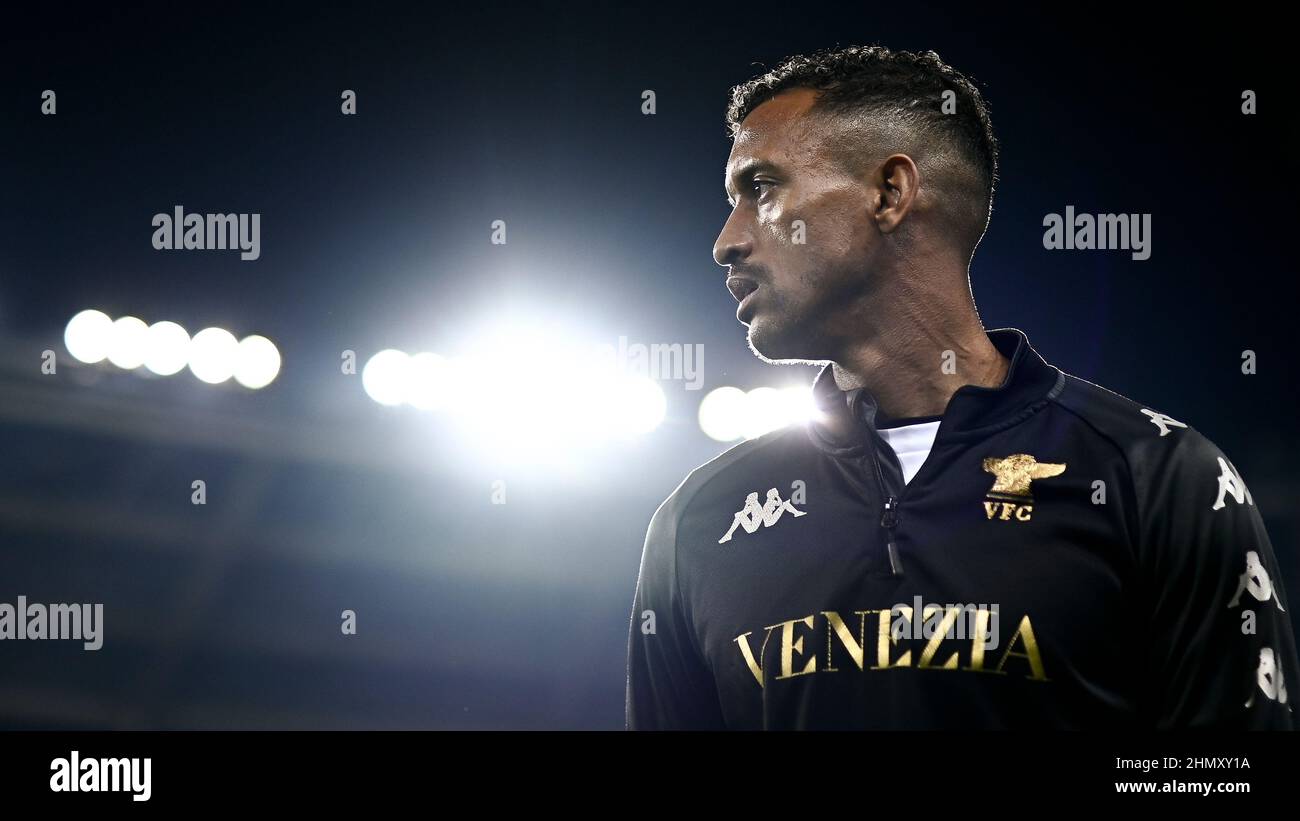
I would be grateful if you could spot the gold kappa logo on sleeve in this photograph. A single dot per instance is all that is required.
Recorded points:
(1010, 499)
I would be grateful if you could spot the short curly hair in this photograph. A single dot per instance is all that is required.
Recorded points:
(903, 94)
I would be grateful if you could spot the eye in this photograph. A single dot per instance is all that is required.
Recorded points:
(758, 186)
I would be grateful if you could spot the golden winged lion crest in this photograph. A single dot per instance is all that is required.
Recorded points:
(1015, 473)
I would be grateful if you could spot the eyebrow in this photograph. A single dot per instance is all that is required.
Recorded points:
(746, 169)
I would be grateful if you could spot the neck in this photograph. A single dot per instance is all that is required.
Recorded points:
(918, 358)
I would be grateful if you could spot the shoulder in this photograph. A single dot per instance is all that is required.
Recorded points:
(1114, 416)
(1151, 439)
(1170, 462)
(725, 480)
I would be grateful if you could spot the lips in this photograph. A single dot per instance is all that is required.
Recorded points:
(744, 290)
(741, 287)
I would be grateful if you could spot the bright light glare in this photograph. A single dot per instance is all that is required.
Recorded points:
(640, 404)
(799, 405)
(127, 343)
(728, 414)
(88, 335)
(525, 393)
(722, 413)
(166, 348)
(257, 362)
(431, 381)
(213, 353)
(386, 377)
(764, 412)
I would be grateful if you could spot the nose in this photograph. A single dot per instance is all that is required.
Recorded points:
(735, 242)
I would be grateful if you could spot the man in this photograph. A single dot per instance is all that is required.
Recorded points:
(982, 541)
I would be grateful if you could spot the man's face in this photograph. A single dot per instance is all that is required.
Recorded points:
(800, 242)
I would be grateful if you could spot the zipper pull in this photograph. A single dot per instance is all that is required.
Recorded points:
(887, 520)
(890, 517)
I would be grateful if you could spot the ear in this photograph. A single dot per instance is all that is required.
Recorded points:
(897, 180)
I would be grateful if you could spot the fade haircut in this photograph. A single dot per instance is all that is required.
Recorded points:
(893, 101)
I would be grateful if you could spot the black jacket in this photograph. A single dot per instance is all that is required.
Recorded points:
(1065, 558)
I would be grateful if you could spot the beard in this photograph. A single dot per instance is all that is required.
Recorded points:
(806, 321)
(781, 333)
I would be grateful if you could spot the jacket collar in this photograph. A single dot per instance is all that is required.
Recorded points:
(847, 424)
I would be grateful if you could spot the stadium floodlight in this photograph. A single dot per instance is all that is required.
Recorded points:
(166, 348)
(798, 404)
(257, 362)
(639, 404)
(213, 353)
(764, 412)
(728, 414)
(88, 335)
(722, 414)
(430, 381)
(386, 377)
(128, 343)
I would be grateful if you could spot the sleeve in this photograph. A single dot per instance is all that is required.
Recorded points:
(1221, 649)
(669, 686)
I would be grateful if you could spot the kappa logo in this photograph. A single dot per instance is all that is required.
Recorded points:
(1269, 678)
(1256, 581)
(1010, 499)
(753, 515)
(1162, 421)
(1231, 484)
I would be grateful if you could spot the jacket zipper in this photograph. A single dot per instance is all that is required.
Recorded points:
(888, 516)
